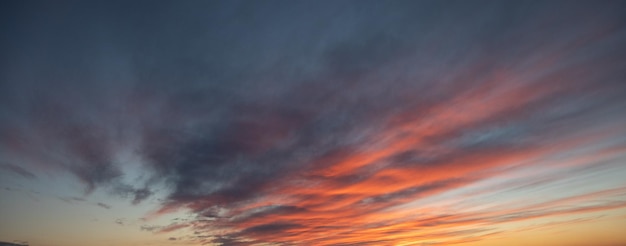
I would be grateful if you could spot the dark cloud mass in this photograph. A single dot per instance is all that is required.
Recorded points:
(310, 122)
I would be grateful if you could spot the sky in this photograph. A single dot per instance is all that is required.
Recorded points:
(474, 123)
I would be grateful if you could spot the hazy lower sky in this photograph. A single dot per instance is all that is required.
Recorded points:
(478, 123)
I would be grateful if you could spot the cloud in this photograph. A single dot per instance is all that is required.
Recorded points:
(270, 228)
(149, 228)
(120, 221)
(127, 191)
(103, 205)
(172, 227)
(17, 170)
(72, 199)
(324, 124)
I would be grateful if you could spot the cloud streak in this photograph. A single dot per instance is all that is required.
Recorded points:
(17, 170)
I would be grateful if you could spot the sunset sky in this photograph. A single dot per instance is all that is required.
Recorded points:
(472, 123)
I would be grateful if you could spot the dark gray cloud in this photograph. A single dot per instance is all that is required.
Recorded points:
(103, 205)
(270, 228)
